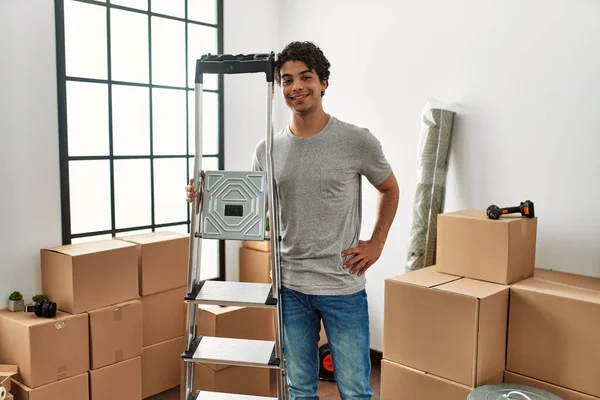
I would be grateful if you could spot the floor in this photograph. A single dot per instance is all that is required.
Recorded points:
(327, 390)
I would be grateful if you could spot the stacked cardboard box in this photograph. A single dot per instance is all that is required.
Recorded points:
(240, 323)
(553, 334)
(162, 264)
(54, 355)
(255, 261)
(450, 328)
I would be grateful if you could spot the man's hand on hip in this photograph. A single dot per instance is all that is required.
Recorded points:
(365, 254)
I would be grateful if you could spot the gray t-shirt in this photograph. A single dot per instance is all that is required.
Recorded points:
(319, 185)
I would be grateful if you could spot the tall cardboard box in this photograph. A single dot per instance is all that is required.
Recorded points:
(75, 387)
(399, 382)
(87, 276)
(163, 316)
(45, 349)
(260, 245)
(471, 245)
(236, 323)
(451, 327)
(554, 330)
(563, 393)
(249, 381)
(120, 381)
(255, 266)
(115, 333)
(162, 260)
(161, 366)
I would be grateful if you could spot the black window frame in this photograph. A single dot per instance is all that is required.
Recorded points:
(62, 79)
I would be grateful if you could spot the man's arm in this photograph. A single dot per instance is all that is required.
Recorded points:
(368, 252)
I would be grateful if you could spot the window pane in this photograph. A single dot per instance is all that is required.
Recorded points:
(139, 4)
(89, 186)
(168, 121)
(132, 193)
(210, 122)
(85, 40)
(87, 118)
(168, 52)
(209, 259)
(169, 193)
(175, 8)
(129, 46)
(131, 120)
(201, 40)
(208, 164)
(176, 228)
(87, 239)
(203, 11)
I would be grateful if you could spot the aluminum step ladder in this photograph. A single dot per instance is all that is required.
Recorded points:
(231, 205)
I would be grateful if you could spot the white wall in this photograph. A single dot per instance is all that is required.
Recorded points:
(523, 76)
(29, 169)
(250, 27)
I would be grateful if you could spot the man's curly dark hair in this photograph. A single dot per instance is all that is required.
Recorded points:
(307, 52)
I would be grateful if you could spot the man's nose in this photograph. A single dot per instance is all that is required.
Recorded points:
(297, 84)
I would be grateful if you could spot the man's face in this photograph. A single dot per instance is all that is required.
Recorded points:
(301, 87)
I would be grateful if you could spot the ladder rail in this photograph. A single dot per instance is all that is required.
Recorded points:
(234, 64)
(275, 244)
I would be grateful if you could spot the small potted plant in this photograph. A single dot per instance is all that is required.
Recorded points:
(38, 297)
(15, 301)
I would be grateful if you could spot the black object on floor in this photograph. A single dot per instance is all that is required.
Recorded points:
(326, 372)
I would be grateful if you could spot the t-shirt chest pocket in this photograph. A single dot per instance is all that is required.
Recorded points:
(335, 182)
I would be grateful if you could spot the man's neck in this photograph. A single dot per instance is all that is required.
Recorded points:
(308, 125)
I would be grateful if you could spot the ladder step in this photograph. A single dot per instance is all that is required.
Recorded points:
(203, 395)
(228, 351)
(243, 294)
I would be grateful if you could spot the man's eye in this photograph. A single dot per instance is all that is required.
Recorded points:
(306, 77)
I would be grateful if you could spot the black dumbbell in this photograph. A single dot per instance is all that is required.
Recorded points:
(44, 308)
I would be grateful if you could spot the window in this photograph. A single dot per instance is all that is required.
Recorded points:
(126, 115)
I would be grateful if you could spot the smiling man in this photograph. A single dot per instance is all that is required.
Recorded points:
(319, 162)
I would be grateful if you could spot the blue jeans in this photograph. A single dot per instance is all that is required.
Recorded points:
(346, 321)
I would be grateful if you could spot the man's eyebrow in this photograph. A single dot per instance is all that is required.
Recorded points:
(300, 73)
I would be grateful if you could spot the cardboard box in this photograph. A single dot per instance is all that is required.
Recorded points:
(87, 276)
(115, 333)
(236, 323)
(45, 349)
(471, 245)
(554, 330)
(564, 393)
(6, 371)
(240, 380)
(259, 245)
(399, 382)
(120, 381)
(162, 260)
(76, 388)
(163, 316)
(255, 266)
(161, 366)
(451, 327)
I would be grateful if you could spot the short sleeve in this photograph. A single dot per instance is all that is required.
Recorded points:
(374, 165)
(255, 163)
